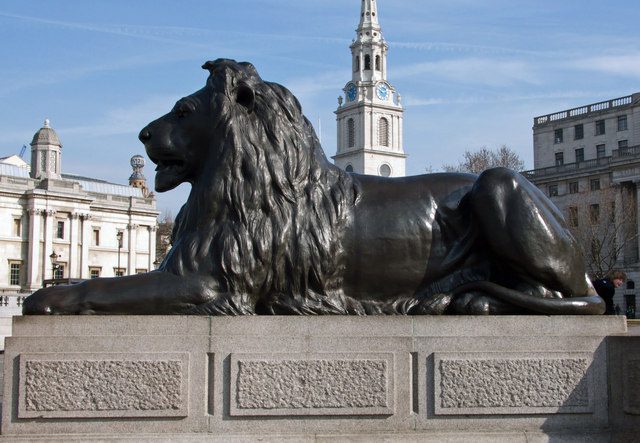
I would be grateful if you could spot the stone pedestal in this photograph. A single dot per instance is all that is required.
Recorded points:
(310, 377)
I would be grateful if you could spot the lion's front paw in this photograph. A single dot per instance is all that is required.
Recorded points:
(52, 300)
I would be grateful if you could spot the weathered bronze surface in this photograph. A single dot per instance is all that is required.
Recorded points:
(271, 227)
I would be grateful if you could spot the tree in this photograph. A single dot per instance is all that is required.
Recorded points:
(163, 236)
(606, 231)
(482, 159)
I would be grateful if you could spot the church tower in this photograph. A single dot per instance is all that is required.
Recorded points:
(370, 115)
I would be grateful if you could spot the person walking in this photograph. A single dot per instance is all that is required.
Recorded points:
(606, 288)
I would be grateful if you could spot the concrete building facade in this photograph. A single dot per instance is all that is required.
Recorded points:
(63, 226)
(370, 115)
(587, 160)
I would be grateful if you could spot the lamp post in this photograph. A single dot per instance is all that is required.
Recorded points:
(119, 238)
(54, 264)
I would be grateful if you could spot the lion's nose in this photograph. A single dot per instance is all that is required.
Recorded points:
(145, 135)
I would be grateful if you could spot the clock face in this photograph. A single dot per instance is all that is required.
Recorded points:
(351, 92)
(382, 90)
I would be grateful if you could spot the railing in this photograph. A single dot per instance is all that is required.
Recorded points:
(630, 151)
(12, 300)
(582, 110)
(624, 153)
(568, 167)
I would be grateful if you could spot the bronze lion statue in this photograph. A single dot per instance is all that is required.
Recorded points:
(271, 227)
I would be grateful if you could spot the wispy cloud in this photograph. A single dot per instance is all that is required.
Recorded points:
(625, 65)
(413, 101)
(464, 48)
(480, 71)
(124, 120)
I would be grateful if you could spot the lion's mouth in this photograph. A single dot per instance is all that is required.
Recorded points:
(169, 165)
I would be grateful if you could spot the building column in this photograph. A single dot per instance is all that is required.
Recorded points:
(637, 185)
(48, 244)
(34, 280)
(152, 247)
(84, 250)
(131, 258)
(618, 224)
(74, 269)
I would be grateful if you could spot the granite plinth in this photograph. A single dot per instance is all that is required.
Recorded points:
(311, 376)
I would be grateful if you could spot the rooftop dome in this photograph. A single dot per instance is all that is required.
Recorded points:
(46, 136)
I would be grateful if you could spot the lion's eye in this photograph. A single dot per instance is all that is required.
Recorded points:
(183, 109)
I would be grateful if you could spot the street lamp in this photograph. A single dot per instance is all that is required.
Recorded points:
(54, 264)
(119, 238)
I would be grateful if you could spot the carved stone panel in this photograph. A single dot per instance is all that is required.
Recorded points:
(512, 384)
(77, 385)
(316, 384)
(630, 383)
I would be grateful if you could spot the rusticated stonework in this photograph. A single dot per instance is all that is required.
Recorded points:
(101, 387)
(512, 385)
(335, 386)
(631, 378)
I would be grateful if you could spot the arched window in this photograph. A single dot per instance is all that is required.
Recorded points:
(383, 132)
(356, 63)
(351, 133)
(367, 62)
(349, 168)
(377, 62)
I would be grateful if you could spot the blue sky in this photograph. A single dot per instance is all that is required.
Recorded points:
(471, 73)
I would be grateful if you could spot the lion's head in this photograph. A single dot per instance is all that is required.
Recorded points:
(265, 203)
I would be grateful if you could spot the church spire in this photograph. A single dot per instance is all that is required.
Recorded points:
(368, 19)
(369, 50)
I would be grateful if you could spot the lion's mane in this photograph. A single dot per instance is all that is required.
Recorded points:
(265, 217)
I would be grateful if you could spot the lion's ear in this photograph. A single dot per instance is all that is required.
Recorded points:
(246, 97)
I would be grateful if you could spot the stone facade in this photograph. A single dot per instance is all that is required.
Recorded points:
(369, 117)
(587, 160)
(88, 226)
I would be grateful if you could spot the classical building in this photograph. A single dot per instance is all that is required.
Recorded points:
(63, 226)
(587, 159)
(370, 115)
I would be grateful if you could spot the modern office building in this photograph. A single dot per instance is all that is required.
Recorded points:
(369, 116)
(587, 159)
(62, 226)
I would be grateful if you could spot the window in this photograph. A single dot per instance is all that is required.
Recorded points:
(351, 133)
(622, 123)
(612, 214)
(623, 144)
(578, 131)
(53, 164)
(600, 151)
(385, 170)
(141, 271)
(58, 272)
(553, 190)
(573, 216)
(94, 272)
(349, 168)
(579, 155)
(573, 188)
(118, 272)
(367, 62)
(14, 272)
(594, 213)
(60, 230)
(96, 237)
(558, 136)
(377, 63)
(383, 132)
(596, 247)
(43, 162)
(17, 227)
(595, 184)
(559, 159)
(599, 127)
